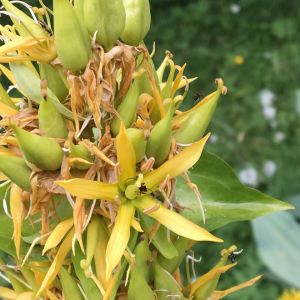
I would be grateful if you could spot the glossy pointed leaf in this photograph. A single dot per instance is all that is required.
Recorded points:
(225, 198)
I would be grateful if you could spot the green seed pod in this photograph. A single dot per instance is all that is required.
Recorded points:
(41, 151)
(142, 253)
(194, 127)
(160, 240)
(138, 287)
(128, 107)
(72, 39)
(6, 99)
(50, 119)
(106, 17)
(31, 25)
(69, 285)
(164, 281)
(138, 20)
(93, 235)
(54, 81)
(158, 145)
(16, 170)
(171, 265)
(78, 6)
(81, 152)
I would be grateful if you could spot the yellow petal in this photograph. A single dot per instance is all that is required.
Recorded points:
(7, 293)
(177, 81)
(174, 221)
(126, 155)
(6, 111)
(180, 85)
(57, 235)
(51, 295)
(136, 225)
(208, 276)
(16, 212)
(120, 236)
(220, 294)
(176, 165)
(65, 247)
(89, 189)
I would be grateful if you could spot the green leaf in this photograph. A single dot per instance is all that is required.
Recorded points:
(225, 198)
(277, 238)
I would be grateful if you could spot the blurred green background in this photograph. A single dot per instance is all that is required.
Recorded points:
(254, 46)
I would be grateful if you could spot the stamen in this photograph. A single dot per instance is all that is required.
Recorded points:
(192, 258)
(127, 275)
(73, 243)
(5, 278)
(11, 15)
(238, 252)
(11, 87)
(94, 40)
(164, 183)
(71, 201)
(148, 166)
(29, 8)
(90, 215)
(82, 291)
(153, 50)
(151, 209)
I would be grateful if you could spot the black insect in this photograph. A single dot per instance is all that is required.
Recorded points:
(143, 190)
(46, 27)
(232, 257)
(197, 96)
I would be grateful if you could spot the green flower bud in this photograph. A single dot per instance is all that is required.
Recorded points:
(50, 119)
(164, 281)
(106, 17)
(81, 152)
(41, 151)
(142, 254)
(54, 81)
(138, 20)
(72, 39)
(30, 24)
(160, 240)
(138, 287)
(6, 99)
(159, 143)
(69, 285)
(128, 107)
(195, 126)
(137, 138)
(16, 170)
(171, 265)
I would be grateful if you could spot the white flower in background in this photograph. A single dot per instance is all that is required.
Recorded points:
(248, 176)
(273, 124)
(267, 97)
(235, 8)
(269, 168)
(269, 112)
(279, 136)
(213, 138)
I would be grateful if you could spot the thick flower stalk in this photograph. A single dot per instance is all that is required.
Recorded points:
(100, 134)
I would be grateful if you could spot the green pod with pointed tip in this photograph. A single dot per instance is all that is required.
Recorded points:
(193, 129)
(105, 17)
(128, 108)
(16, 170)
(31, 25)
(51, 121)
(72, 39)
(159, 143)
(165, 281)
(142, 253)
(139, 144)
(78, 6)
(54, 81)
(138, 287)
(206, 290)
(138, 20)
(160, 240)
(81, 152)
(41, 151)
(6, 99)
(69, 285)
(171, 265)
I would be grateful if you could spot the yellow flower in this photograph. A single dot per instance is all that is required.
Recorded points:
(290, 295)
(239, 60)
(128, 191)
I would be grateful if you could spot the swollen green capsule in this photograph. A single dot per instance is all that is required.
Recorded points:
(72, 39)
(158, 145)
(50, 119)
(16, 170)
(6, 99)
(164, 281)
(107, 18)
(142, 254)
(138, 20)
(81, 152)
(41, 151)
(194, 127)
(128, 107)
(171, 265)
